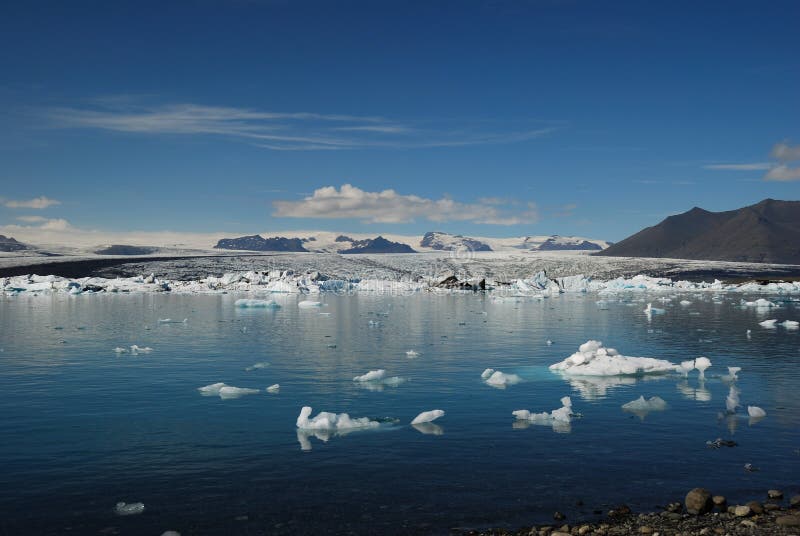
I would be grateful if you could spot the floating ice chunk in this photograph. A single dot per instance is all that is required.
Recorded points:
(428, 416)
(257, 366)
(486, 373)
(171, 321)
(211, 390)
(128, 509)
(761, 303)
(768, 323)
(641, 406)
(274, 388)
(371, 376)
(685, 303)
(650, 310)
(731, 376)
(332, 421)
(756, 412)
(732, 400)
(135, 350)
(790, 324)
(549, 342)
(119, 350)
(499, 379)
(251, 303)
(562, 415)
(686, 367)
(229, 391)
(701, 364)
(393, 381)
(412, 354)
(307, 304)
(592, 359)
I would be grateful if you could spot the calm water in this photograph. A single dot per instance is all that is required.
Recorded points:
(83, 428)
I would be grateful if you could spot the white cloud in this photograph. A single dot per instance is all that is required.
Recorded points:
(783, 173)
(301, 131)
(58, 224)
(37, 202)
(785, 152)
(756, 166)
(388, 206)
(32, 219)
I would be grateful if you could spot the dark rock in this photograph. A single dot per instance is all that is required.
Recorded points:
(788, 521)
(742, 511)
(9, 244)
(756, 507)
(376, 245)
(698, 501)
(620, 511)
(452, 282)
(794, 501)
(775, 494)
(558, 516)
(343, 238)
(720, 502)
(258, 243)
(553, 244)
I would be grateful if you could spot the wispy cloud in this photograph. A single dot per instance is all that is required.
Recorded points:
(32, 219)
(41, 202)
(783, 174)
(785, 152)
(756, 166)
(388, 206)
(295, 131)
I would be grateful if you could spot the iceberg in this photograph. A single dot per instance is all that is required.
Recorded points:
(790, 324)
(641, 406)
(732, 400)
(731, 376)
(756, 412)
(332, 422)
(274, 388)
(760, 303)
(559, 418)
(770, 324)
(428, 428)
(498, 379)
(307, 304)
(252, 303)
(701, 364)
(592, 359)
(428, 416)
(257, 366)
(136, 350)
(371, 376)
(650, 310)
(411, 354)
(225, 391)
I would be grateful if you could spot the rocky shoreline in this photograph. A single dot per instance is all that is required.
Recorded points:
(700, 514)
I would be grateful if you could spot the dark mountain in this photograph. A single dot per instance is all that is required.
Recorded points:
(376, 245)
(447, 242)
(257, 243)
(768, 231)
(9, 244)
(557, 243)
(121, 249)
(343, 238)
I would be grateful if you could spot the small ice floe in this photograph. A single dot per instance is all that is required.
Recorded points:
(136, 350)
(592, 359)
(245, 303)
(769, 324)
(650, 310)
(685, 303)
(559, 418)
(374, 323)
(790, 324)
(732, 400)
(428, 416)
(641, 406)
(499, 380)
(119, 350)
(701, 364)
(749, 333)
(719, 442)
(308, 304)
(549, 342)
(376, 380)
(171, 321)
(257, 366)
(371, 376)
(750, 468)
(332, 422)
(411, 354)
(225, 391)
(128, 509)
(756, 412)
(760, 303)
(686, 367)
(731, 376)
(274, 388)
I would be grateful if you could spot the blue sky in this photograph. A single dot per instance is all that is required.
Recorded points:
(492, 118)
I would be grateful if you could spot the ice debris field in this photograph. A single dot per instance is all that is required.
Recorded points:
(289, 282)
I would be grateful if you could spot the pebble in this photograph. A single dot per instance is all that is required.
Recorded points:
(698, 501)
(756, 507)
(775, 494)
(646, 530)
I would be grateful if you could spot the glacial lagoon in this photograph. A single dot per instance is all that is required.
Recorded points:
(85, 427)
